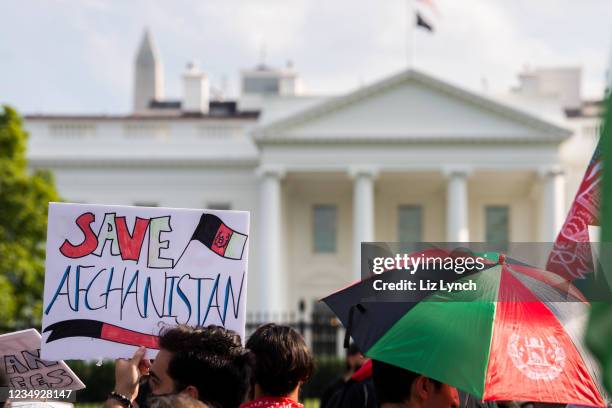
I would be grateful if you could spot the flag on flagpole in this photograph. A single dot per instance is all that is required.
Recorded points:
(423, 23)
(420, 14)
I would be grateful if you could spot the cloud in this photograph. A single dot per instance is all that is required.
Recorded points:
(77, 57)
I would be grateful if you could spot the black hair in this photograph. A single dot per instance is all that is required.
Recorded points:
(353, 349)
(392, 383)
(211, 359)
(282, 359)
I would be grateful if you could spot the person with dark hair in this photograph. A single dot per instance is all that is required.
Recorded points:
(282, 363)
(397, 387)
(205, 363)
(354, 360)
(356, 390)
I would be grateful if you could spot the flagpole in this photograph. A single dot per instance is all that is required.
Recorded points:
(410, 33)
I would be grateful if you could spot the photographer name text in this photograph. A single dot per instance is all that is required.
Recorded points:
(424, 285)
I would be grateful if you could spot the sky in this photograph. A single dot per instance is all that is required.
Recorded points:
(76, 56)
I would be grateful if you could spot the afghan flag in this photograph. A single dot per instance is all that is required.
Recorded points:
(571, 256)
(219, 238)
(423, 11)
(423, 23)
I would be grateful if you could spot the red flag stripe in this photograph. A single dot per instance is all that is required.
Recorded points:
(222, 238)
(125, 336)
(532, 356)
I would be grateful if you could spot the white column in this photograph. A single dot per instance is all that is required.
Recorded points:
(272, 282)
(553, 199)
(457, 227)
(363, 213)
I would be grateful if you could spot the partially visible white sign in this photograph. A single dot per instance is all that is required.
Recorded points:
(20, 360)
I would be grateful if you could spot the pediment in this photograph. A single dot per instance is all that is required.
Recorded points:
(414, 107)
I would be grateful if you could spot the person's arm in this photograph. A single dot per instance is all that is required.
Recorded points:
(127, 378)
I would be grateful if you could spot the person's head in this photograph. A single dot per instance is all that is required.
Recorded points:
(282, 360)
(354, 358)
(395, 385)
(205, 363)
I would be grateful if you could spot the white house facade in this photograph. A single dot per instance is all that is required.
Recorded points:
(410, 157)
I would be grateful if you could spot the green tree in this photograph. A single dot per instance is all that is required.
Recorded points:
(24, 198)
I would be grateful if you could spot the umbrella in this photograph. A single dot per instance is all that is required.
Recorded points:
(516, 337)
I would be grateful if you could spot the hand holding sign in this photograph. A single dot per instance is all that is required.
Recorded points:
(129, 372)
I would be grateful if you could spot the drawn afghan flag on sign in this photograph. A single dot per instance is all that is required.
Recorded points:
(220, 238)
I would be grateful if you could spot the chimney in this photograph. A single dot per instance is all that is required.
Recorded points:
(195, 90)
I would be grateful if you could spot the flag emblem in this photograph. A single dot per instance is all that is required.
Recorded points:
(571, 255)
(536, 357)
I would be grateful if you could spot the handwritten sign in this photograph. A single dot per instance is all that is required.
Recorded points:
(20, 359)
(116, 275)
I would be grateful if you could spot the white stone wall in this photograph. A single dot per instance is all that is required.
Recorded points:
(409, 137)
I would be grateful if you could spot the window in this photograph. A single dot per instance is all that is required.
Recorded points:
(219, 206)
(218, 131)
(497, 230)
(409, 223)
(72, 130)
(260, 85)
(324, 228)
(140, 130)
(591, 131)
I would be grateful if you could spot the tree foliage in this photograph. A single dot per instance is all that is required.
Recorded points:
(24, 198)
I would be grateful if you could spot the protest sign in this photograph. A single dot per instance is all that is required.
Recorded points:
(20, 359)
(116, 275)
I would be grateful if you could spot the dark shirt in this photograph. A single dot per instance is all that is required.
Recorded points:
(330, 391)
(355, 394)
